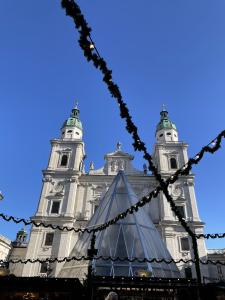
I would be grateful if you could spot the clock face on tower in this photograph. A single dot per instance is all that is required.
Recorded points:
(177, 191)
(59, 187)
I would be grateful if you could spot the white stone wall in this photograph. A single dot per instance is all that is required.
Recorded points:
(17, 253)
(5, 246)
(183, 194)
(216, 272)
(60, 183)
(79, 194)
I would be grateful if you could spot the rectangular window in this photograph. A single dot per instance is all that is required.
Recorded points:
(219, 269)
(188, 272)
(49, 238)
(181, 211)
(184, 242)
(173, 163)
(55, 207)
(64, 160)
(44, 267)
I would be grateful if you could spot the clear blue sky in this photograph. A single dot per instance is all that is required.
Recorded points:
(160, 51)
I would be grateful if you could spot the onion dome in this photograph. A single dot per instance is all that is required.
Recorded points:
(74, 119)
(165, 122)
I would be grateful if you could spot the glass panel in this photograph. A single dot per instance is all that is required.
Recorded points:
(188, 272)
(135, 237)
(181, 211)
(55, 207)
(44, 267)
(185, 244)
(64, 160)
(173, 163)
(49, 238)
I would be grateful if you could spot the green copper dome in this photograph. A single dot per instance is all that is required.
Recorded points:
(22, 232)
(165, 122)
(73, 120)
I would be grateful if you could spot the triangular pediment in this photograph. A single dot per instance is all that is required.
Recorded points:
(119, 154)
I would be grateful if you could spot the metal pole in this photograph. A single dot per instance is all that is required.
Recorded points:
(197, 260)
(91, 253)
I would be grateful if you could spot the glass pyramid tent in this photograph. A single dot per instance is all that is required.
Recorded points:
(133, 237)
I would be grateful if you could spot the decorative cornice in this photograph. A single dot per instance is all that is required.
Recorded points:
(216, 251)
(189, 182)
(73, 179)
(60, 172)
(48, 219)
(171, 144)
(66, 142)
(64, 150)
(177, 223)
(47, 178)
(170, 153)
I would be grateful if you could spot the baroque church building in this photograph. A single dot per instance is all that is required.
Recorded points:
(72, 197)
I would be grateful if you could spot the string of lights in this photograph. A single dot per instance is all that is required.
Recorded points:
(131, 210)
(212, 147)
(92, 54)
(88, 47)
(41, 224)
(109, 258)
(211, 236)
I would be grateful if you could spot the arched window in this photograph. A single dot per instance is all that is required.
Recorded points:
(64, 160)
(173, 163)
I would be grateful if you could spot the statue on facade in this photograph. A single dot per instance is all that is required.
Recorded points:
(118, 146)
(145, 169)
(91, 168)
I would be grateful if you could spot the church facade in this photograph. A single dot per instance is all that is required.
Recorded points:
(70, 196)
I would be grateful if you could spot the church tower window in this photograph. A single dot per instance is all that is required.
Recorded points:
(173, 163)
(181, 211)
(49, 239)
(55, 207)
(64, 160)
(184, 242)
(44, 268)
(188, 273)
